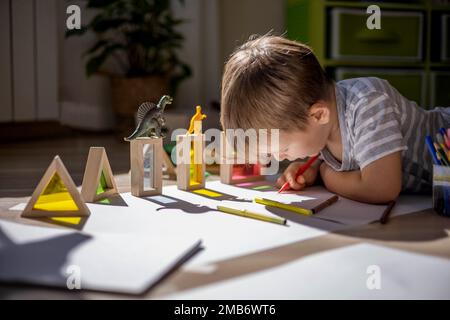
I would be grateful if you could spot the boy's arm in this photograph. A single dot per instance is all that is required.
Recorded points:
(378, 182)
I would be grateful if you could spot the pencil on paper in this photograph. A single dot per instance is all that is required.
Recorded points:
(252, 215)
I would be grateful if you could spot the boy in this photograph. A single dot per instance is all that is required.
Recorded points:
(370, 138)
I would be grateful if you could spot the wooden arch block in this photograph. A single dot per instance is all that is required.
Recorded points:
(191, 173)
(146, 156)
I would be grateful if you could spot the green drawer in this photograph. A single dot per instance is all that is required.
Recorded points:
(440, 89)
(445, 33)
(410, 83)
(399, 39)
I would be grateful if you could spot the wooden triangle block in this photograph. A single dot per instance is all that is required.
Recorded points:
(56, 195)
(98, 179)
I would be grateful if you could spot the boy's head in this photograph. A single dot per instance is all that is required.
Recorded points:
(274, 83)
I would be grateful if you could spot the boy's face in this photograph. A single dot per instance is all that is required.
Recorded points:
(299, 144)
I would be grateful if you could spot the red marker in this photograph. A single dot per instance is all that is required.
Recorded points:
(300, 171)
(446, 140)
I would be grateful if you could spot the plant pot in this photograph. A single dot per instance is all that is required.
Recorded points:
(129, 93)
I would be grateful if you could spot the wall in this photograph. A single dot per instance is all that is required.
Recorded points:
(212, 29)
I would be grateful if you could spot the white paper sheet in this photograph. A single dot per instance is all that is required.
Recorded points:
(346, 211)
(178, 212)
(105, 262)
(224, 236)
(342, 273)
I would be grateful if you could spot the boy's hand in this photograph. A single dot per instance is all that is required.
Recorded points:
(302, 181)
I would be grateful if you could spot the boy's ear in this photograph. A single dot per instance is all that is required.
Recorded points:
(319, 113)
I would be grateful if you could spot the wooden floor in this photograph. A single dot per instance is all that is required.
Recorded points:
(22, 164)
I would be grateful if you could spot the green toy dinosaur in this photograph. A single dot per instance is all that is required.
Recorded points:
(150, 119)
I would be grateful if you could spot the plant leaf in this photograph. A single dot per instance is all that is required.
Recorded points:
(94, 63)
(99, 3)
(96, 46)
(75, 32)
(100, 24)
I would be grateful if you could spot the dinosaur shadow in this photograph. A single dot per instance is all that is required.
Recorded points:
(217, 195)
(169, 202)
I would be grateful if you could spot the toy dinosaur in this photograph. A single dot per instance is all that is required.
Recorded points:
(198, 116)
(150, 119)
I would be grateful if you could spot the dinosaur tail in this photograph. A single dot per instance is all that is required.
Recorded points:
(137, 133)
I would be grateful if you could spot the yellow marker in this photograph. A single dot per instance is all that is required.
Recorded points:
(252, 215)
(284, 206)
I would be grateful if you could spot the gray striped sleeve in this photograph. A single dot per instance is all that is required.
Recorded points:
(377, 128)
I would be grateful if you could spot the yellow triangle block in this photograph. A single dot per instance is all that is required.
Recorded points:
(56, 195)
(98, 179)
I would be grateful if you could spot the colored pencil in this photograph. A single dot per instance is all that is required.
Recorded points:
(385, 216)
(441, 141)
(325, 204)
(252, 215)
(429, 143)
(442, 157)
(289, 207)
(300, 171)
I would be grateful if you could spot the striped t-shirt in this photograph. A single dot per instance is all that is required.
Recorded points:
(376, 120)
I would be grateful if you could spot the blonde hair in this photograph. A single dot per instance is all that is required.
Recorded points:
(270, 82)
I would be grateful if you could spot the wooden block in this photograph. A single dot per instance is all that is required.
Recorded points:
(190, 169)
(227, 166)
(98, 179)
(198, 127)
(146, 156)
(56, 195)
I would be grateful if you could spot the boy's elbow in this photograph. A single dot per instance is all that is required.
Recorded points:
(391, 195)
(387, 193)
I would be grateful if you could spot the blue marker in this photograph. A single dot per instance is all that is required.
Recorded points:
(443, 132)
(430, 146)
(446, 201)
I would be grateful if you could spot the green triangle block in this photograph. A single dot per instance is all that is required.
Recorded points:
(102, 187)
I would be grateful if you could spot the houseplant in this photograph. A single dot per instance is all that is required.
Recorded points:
(140, 37)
